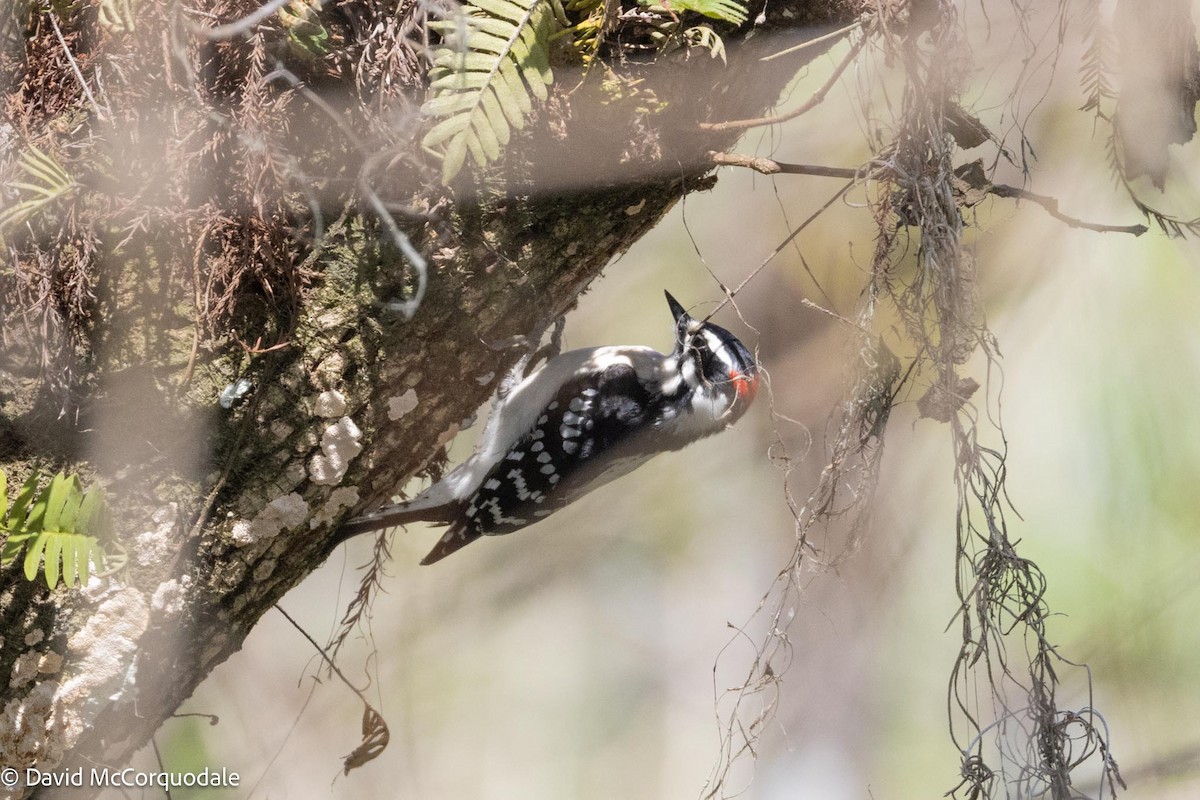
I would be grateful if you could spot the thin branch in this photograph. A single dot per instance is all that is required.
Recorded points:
(812, 102)
(321, 652)
(75, 66)
(839, 33)
(1051, 206)
(729, 295)
(166, 787)
(374, 728)
(769, 166)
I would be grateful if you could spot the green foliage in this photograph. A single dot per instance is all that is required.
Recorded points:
(705, 38)
(61, 526)
(47, 182)
(729, 11)
(669, 36)
(307, 37)
(493, 61)
(587, 34)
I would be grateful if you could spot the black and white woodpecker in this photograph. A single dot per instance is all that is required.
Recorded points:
(577, 422)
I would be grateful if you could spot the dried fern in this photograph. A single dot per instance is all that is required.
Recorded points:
(1095, 69)
(493, 61)
(61, 527)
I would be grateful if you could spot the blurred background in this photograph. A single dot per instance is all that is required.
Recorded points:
(579, 659)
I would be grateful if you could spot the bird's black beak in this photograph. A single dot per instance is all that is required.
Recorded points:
(677, 311)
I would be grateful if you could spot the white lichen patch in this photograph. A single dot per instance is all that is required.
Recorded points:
(49, 720)
(634, 210)
(156, 546)
(240, 533)
(283, 513)
(24, 669)
(291, 509)
(330, 404)
(339, 446)
(104, 647)
(343, 497)
(27, 733)
(171, 596)
(50, 663)
(399, 406)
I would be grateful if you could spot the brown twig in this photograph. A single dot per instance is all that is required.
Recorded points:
(811, 103)
(1051, 206)
(83, 84)
(729, 295)
(768, 166)
(839, 33)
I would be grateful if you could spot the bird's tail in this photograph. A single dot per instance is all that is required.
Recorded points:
(457, 537)
(392, 516)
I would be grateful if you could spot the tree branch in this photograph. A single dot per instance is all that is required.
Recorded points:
(1051, 206)
(768, 166)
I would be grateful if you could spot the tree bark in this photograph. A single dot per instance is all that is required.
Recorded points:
(168, 276)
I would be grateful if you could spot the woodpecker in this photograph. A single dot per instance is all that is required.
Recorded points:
(580, 420)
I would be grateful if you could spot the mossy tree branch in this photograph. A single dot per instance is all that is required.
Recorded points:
(201, 253)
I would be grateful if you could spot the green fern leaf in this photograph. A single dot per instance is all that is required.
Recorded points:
(33, 556)
(495, 58)
(93, 514)
(52, 182)
(20, 506)
(49, 526)
(56, 496)
(729, 11)
(65, 555)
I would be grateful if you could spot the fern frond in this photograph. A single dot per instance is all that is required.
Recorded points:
(69, 555)
(59, 529)
(1095, 68)
(48, 182)
(705, 38)
(494, 60)
(729, 11)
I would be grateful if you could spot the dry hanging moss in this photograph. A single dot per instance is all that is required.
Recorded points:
(1005, 717)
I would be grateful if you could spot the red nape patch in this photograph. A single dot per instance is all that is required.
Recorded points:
(745, 386)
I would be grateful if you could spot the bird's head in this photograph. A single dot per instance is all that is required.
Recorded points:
(720, 363)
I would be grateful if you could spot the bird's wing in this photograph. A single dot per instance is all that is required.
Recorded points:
(599, 426)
